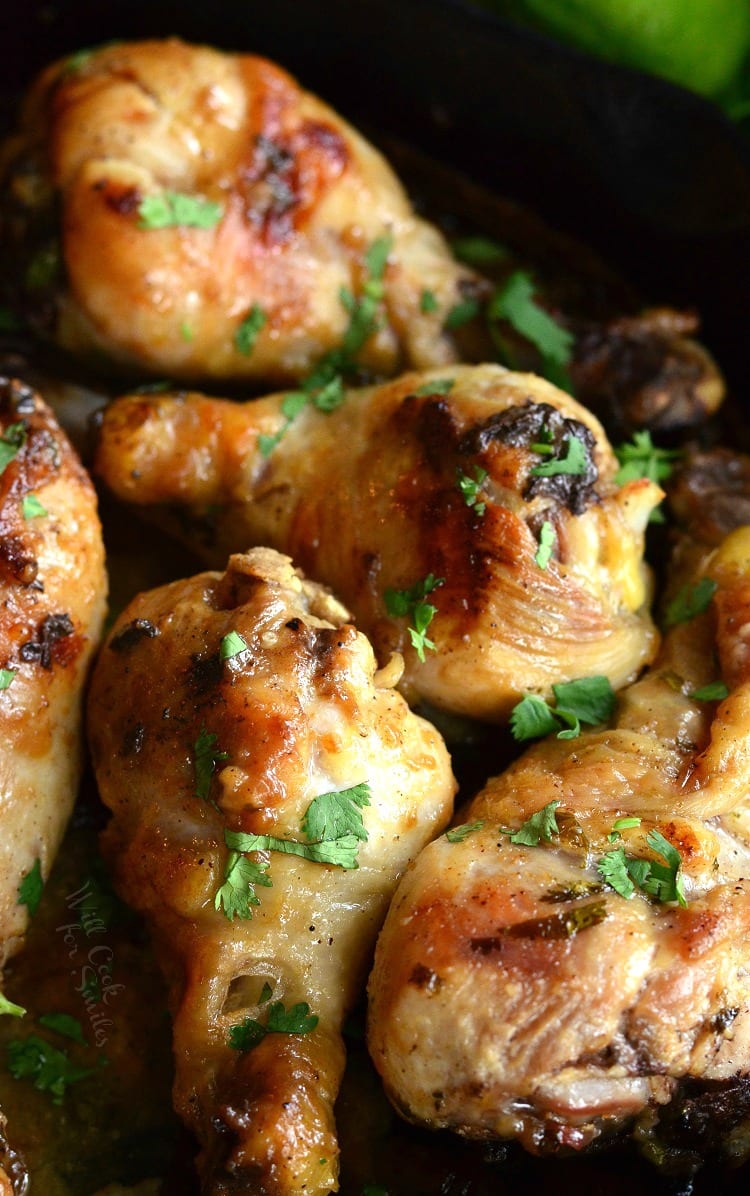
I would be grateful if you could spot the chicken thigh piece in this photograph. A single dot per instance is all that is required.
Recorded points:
(217, 221)
(238, 713)
(469, 518)
(550, 983)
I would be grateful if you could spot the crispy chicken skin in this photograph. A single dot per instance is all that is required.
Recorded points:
(52, 600)
(300, 712)
(514, 993)
(368, 498)
(302, 198)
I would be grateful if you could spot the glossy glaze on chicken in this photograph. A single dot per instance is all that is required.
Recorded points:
(298, 712)
(368, 498)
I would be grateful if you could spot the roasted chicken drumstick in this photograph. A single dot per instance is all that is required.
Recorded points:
(241, 713)
(579, 949)
(53, 591)
(216, 221)
(434, 493)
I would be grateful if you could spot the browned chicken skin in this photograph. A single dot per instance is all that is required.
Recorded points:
(52, 600)
(368, 499)
(298, 713)
(517, 995)
(301, 200)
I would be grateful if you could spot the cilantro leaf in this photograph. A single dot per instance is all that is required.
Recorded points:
(641, 458)
(327, 398)
(690, 601)
(532, 718)
(620, 825)
(63, 1023)
(461, 313)
(401, 603)
(232, 645)
(588, 700)
(31, 888)
(6, 678)
(547, 540)
(8, 1007)
(12, 439)
(342, 852)
(613, 867)
(470, 486)
(515, 302)
(297, 1020)
(247, 333)
(716, 691)
(441, 386)
(428, 303)
(265, 993)
(479, 251)
(31, 508)
(457, 834)
(49, 1068)
(237, 893)
(333, 815)
(173, 209)
(205, 761)
(540, 826)
(574, 461)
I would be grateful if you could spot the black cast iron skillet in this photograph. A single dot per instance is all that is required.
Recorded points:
(653, 177)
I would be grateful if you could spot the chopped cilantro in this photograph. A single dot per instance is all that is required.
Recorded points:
(547, 539)
(342, 852)
(461, 313)
(205, 761)
(716, 691)
(573, 462)
(470, 485)
(237, 893)
(232, 645)
(642, 459)
(662, 881)
(12, 439)
(297, 1020)
(8, 1007)
(186, 332)
(479, 251)
(457, 834)
(515, 302)
(247, 333)
(6, 677)
(31, 888)
(620, 825)
(63, 1023)
(539, 827)
(265, 993)
(31, 508)
(50, 1069)
(172, 209)
(428, 303)
(690, 601)
(588, 700)
(331, 816)
(441, 386)
(292, 404)
(399, 603)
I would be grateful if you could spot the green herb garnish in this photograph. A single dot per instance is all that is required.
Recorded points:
(662, 881)
(6, 678)
(479, 251)
(232, 645)
(12, 439)
(297, 1020)
(31, 888)
(470, 486)
(428, 303)
(402, 603)
(204, 762)
(247, 333)
(574, 460)
(8, 1007)
(515, 302)
(237, 893)
(334, 815)
(31, 508)
(458, 833)
(64, 1024)
(172, 209)
(540, 827)
(589, 700)
(716, 691)
(690, 601)
(461, 313)
(50, 1069)
(642, 459)
(547, 539)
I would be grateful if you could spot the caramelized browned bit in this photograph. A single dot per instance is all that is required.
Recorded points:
(709, 494)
